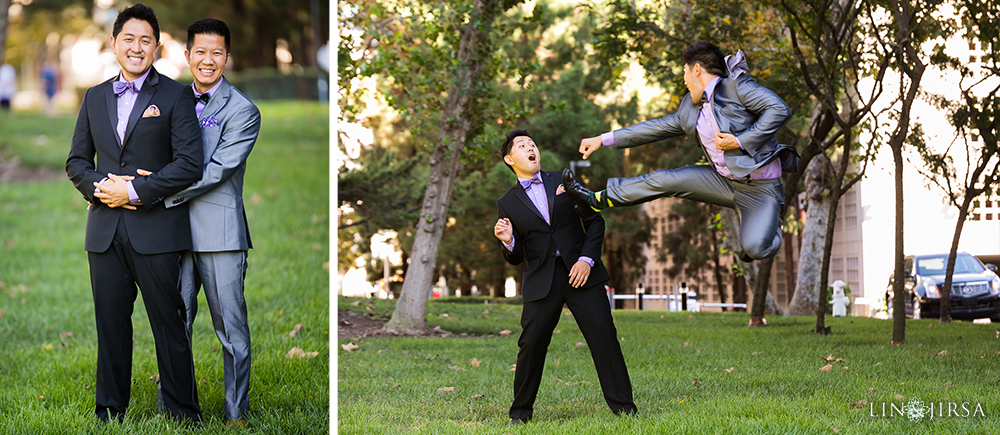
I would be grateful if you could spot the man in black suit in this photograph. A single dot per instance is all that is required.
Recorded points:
(139, 119)
(537, 223)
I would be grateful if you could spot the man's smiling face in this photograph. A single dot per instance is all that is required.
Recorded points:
(524, 157)
(207, 60)
(134, 46)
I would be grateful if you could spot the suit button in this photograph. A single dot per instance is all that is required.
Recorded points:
(123, 164)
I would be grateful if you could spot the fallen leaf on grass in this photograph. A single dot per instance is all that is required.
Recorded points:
(846, 368)
(826, 368)
(1, 314)
(943, 353)
(397, 386)
(444, 315)
(299, 353)
(878, 363)
(370, 308)
(348, 347)
(900, 397)
(476, 396)
(859, 404)
(998, 330)
(445, 389)
(456, 368)
(505, 332)
(557, 331)
(948, 384)
(730, 370)
(513, 367)
(66, 334)
(696, 382)
(47, 346)
(580, 344)
(686, 344)
(356, 303)
(295, 330)
(155, 379)
(432, 357)
(474, 362)
(836, 431)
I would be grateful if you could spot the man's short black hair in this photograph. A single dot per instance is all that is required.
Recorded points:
(708, 55)
(208, 26)
(509, 143)
(138, 12)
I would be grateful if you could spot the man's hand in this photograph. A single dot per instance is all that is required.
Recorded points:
(726, 141)
(503, 230)
(589, 145)
(113, 192)
(579, 273)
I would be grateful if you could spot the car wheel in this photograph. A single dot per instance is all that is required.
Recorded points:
(916, 309)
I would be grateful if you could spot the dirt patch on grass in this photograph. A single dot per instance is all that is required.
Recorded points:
(355, 325)
(11, 170)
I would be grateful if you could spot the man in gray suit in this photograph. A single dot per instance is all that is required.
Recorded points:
(733, 119)
(220, 235)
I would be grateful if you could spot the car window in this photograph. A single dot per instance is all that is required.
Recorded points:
(936, 265)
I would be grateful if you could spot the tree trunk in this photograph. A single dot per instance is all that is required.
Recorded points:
(899, 297)
(806, 296)
(717, 269)
(4, 7)
(963, 213)
(445, 161)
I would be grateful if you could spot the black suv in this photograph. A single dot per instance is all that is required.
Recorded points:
(975, 288)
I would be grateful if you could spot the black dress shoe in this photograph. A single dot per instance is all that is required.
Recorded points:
(516, 421)
(745, 258)
(579, 194)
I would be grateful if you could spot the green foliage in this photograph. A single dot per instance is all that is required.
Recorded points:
(690, 372)
(49, 348)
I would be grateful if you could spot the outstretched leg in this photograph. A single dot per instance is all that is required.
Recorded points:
(697, 182)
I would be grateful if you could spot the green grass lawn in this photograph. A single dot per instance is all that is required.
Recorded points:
(48, 347)
(692, 373)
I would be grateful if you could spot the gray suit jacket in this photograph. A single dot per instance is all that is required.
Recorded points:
(743, 108)
(230, 123)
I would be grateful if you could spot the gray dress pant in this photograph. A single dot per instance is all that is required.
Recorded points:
(758, 203)
(222, 275)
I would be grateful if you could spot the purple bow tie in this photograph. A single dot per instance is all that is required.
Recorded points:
(120, 87)
(533, 180)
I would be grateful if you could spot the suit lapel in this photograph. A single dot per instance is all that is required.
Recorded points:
(550, 182)
(218, 101)
(112, 100)
(523, 197)
(141, 102)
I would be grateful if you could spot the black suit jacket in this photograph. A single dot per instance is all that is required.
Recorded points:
(536, 241)
(169, 145)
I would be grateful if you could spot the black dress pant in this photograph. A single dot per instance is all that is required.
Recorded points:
(590, 308)
(113, 277)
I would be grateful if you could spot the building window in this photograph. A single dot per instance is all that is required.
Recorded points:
(975, 217)
(972, 59)
(975, 203)
(989, 203)
(989, 216)
(975, 138)
(972, 45)
(852, 221)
